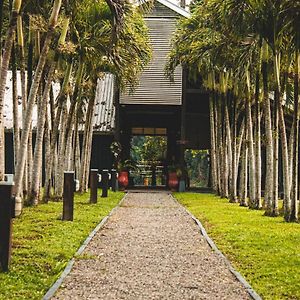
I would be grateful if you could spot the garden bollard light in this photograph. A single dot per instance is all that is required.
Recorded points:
(113, 180)
(68, 198)
(7, 209)
(94, 185)
(104, 183)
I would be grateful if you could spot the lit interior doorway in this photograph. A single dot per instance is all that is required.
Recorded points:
(149, 152)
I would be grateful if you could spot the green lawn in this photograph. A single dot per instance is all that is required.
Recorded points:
(266, 251)
(43, 244)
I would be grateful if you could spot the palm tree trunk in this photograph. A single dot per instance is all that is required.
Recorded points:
(9, 40)
(1, 29)
(38, 150)
(285, 160)
(25, 90)
(269, 141)
(293, 215)
(30, 105)
(243, 188)
(61, 154)
(15, 107)
(291, 157)
(29, 158)
(275, 212)
(84, 158)
(252, 183)
(69, 154)
(87, 145)
(234, 172)
(90, 138)
(258, 201)
(88, 160)
(217, 134)
(213, 143)
(77, 153)
(47, 140)
(222, 158)
(239, 146)
(229, 146)
(21, 54)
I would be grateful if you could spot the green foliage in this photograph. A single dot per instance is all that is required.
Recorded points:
(149, 149)
(198, 166)
(226, 37)
(265, 250)
(43, 244)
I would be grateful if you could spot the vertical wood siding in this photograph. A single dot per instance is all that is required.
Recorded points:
(154, 88)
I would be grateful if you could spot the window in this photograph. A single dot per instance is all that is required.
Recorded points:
(148, 131)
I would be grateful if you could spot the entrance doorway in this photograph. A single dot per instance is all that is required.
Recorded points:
(149, 152)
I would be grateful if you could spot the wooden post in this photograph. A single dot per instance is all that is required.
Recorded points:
(7, 209)
(117, 115)
(68, 199)
(153, 176)
(183, 118)
(104, 183)
(94, 185)
(113, 180)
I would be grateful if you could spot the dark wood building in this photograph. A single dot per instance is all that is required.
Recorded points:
(179, 110)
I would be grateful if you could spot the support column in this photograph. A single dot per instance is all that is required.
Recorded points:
(117, 115)
(183, 118)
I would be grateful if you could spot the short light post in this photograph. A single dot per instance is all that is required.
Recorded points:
(114, 180)
(94, 186)
(104, 183)
(7, 212)
(68, 197)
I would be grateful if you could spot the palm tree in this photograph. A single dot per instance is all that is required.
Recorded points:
(31, 101)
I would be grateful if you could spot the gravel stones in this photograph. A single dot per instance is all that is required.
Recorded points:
(150, 249)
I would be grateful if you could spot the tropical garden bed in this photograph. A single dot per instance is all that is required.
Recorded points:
(43, 244)
(264, 250)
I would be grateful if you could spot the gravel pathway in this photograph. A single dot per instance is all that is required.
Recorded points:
(150, 249)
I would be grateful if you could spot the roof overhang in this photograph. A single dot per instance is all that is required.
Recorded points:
(179, 10)
(175, 8)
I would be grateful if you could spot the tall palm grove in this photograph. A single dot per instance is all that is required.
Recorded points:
(247, 54)
(70, 44)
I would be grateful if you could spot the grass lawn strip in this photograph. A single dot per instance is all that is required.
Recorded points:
(43, 244)
(264, 250)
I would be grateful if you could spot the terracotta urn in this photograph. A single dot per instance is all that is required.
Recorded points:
(123, 180)
(173, 181)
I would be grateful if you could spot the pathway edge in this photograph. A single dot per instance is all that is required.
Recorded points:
(54, 288)
(254, 295)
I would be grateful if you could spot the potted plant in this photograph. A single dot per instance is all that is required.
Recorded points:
(182, 175)
(173, 178)
(123, 168)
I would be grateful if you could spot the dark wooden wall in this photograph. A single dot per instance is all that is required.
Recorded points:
(101, 155)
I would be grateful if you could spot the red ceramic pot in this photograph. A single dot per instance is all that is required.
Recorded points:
(173, 181)
(123, 180)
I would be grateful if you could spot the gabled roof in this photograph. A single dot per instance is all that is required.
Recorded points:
(175, 8)
(179, 10)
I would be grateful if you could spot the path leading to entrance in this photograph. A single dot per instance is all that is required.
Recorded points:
(150, 249)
